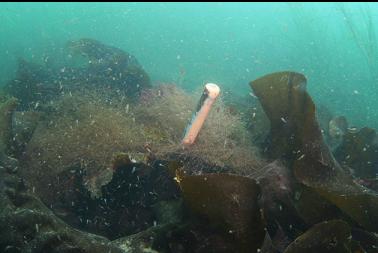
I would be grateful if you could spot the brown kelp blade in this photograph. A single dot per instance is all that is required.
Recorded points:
(296, 135)
(329, 236)
(359, 151)
(228, 201)
(287, 105)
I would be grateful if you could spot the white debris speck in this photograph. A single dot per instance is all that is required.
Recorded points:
(301, 157)
(252, 95)
(283, 120)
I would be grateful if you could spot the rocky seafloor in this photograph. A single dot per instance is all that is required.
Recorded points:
(91, 161)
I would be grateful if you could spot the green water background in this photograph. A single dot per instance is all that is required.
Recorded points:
(227, 43)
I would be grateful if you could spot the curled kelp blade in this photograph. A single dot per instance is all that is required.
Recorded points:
(326, 237)
(298, 138)
(287, 105)
(359, 151)
(228, 201)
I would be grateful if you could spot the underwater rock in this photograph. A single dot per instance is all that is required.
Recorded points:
(23, 126)
(132, 201)
(110, 66)
(158, 121)
(168, 211)
(276, 184)
(77, 135)
(27, 225)
(144, 240)
(33, 85)
(274, 245)
(359, 151)
(277, 195)
(289, 208)
(327, 237)
(295, 133)
(250, 112)
(224, 143)
(192, 236)
(7, 109)
(229, 202)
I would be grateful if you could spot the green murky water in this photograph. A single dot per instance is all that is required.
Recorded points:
(333, 44)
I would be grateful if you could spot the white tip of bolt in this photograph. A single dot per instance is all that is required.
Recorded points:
(212, 89)
(210, 94)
